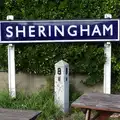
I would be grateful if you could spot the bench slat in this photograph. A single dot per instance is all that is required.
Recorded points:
(14, 114)
(98, 101)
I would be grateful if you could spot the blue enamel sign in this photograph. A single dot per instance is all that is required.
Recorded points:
(59, 31)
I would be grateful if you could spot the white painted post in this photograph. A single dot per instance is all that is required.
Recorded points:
(11, 66)
(61, 85)
(107, 65)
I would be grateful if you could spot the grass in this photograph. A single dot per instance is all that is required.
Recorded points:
(41, 101)
(114, 119)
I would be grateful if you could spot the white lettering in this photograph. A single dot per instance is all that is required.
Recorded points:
(20, 31)
(96, 30)
(31, 30)
(56, 29)
(9, 32)
(84, 30)
(105, 28)
(41, 31)
(74, 31)
(49, 27)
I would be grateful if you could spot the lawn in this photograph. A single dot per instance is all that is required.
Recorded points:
(43, 101)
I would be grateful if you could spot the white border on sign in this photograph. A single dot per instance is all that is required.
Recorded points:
(119, 30)
(0, 33)
(56, 41)
(62, 20)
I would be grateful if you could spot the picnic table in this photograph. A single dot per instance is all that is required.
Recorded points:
(13, 114)
(104, 104)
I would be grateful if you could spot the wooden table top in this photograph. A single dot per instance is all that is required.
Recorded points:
(98, 101)
(13, 114)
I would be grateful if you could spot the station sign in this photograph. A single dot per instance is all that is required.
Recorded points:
(38, 31)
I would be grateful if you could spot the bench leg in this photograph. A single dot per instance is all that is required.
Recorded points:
(104, 115)
(88, 113)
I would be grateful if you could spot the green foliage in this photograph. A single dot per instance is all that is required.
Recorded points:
(40, 58)
(43, 101)
(116, 68)
(74, 94)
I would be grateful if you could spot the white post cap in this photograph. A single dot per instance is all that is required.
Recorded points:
(61, 63)
(108, 16)
(11, 45)
(10, 17)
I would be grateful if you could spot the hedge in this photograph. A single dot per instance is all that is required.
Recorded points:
(83, 58)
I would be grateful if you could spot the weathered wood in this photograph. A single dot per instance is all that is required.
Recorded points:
(88, 113)
(98, 101)
(13, 114)
(104, 116)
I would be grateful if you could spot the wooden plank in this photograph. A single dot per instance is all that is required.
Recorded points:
(98, 101)
(13, 114)
(104, 116)
(12, 118)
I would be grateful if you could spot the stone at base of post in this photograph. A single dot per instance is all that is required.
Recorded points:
(61, 85)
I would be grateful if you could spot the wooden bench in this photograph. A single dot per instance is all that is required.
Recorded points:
(13, 114)
(104, 104)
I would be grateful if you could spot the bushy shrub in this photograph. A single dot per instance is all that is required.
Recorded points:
(40, 58)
